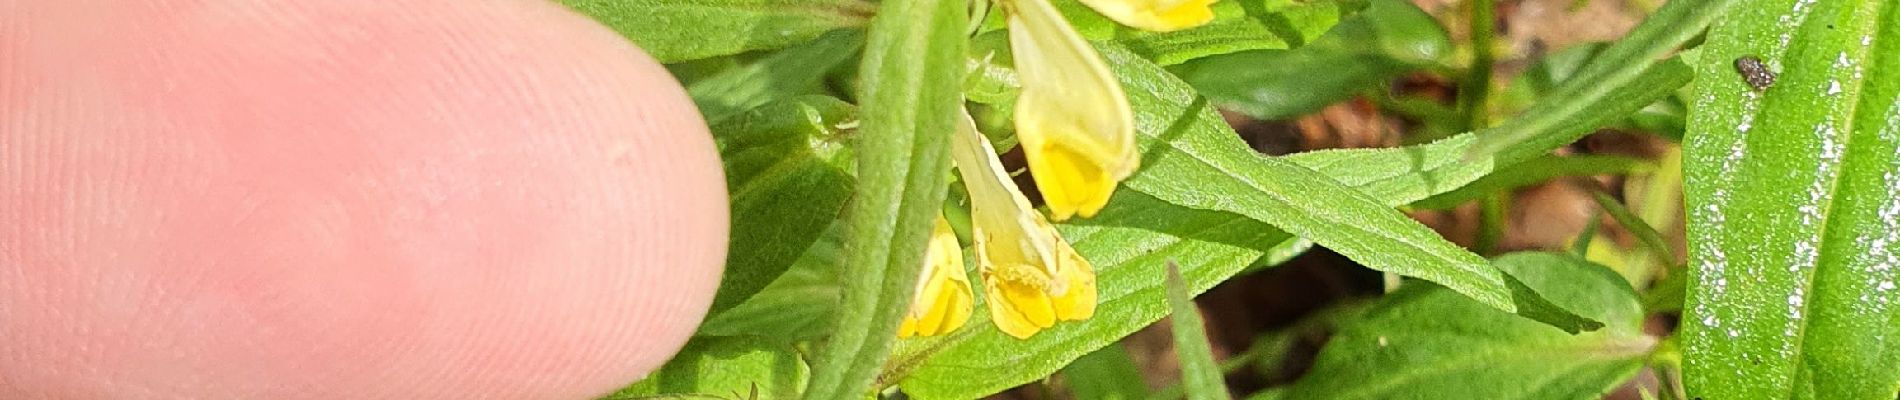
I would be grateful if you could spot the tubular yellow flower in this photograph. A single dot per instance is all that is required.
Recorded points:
(943, 298)
(1073, 121)
(1031, 277)
(1156, 15)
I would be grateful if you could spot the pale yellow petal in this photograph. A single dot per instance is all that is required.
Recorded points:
(942, 300)
(1079, 302)
(957, 308)
(1031, 278)
(1156, 15)
(1072, 118)
(907, 329)
(1071, 182)
(1019, 310)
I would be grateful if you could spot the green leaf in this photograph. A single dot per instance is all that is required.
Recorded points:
(1537, 170)
(1615, 67)
(1192, 158)
(1644, 233)
(1128, 244)
(1793, 223)
(1276, 24)
(1237, 26)
(1545, 76)
(786, 73)
(793, 146)
(912, 80)
(1425, 342)
(725, 368)
(1387, 39)
(1199, 374)
(800, 305)
(1106, 374)
(680, 30)
(1411, 173)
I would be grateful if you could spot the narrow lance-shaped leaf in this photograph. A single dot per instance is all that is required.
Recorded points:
(1197, 161)
(718, 367)
(1794, 225)
(794, 71)
(1199, 373)
(1411, 173)
(1106, 374)
(912, 71)
(792, 146)
(1535, 171)
(1237, 26)
(1386, 39)
(680, 30)
(1129, 243)
(1625, 61)
(1425, 342)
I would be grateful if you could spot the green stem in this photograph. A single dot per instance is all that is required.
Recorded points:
(1492, 222)
(1474, 91)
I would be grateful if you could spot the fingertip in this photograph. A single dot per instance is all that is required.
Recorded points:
(347, 200)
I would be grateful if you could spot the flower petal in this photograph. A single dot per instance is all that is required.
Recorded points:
(1079, 302)
(942, 300)
(1072, 118)
(1156, 15)
(1031, 277)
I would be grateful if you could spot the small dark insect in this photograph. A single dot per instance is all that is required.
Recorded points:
(1756, 74)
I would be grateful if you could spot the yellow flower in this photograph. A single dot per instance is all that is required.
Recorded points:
(943, 298)
(1156, 15)
(1073, 121)
(1031, 277)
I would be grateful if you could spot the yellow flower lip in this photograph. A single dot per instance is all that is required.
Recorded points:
(1031, 277)
(943, 299)
(1156, 15)
(1073, 120)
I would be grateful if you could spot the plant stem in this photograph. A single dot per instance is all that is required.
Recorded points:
(1474, 91)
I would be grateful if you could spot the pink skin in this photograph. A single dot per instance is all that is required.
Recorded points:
(343, 199)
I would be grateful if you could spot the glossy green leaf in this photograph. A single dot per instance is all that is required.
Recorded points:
(1794, 227)
(1388, 38)
(680, 30)
(794, 71)
(1199, 373)
(1425, 342)
(912, 80)
(1106, 374)
(792, 146)
(1615, 67)
(725, 368)
(1534, 171)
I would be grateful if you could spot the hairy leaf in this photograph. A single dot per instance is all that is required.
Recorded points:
(912, 73)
